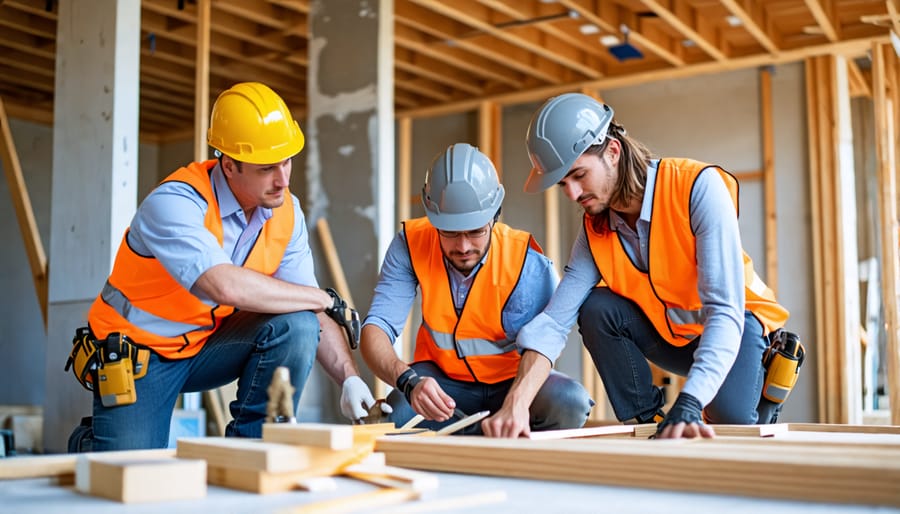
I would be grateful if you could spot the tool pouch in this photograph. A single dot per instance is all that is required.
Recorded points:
(110, 365)
(782, 360)
(84, 359)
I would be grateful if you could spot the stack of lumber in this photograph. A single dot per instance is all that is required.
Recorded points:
(850, 464)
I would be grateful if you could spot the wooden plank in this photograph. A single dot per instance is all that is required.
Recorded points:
(392, 476)
(141, 480)
(37, 259)
(319, 435)
(574, 433)
(201, 82)
(768, 171)
(846, 428)
(251, 454)
(719, 466)
(49, 466)
(324, 463)
(886, 100)
(334, 262)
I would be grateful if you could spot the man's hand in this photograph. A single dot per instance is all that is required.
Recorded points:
(356, 399)
(425, 396)
(685, 419)
(509, 421)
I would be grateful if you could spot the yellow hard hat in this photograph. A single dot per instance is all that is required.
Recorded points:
(251, 123)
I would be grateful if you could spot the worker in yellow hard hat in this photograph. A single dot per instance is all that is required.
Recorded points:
(214, 281)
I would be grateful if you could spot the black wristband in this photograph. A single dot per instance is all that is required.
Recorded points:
(407, 381)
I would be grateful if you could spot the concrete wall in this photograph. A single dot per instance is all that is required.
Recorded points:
(22, 374)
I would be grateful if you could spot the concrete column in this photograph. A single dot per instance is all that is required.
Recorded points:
(94, 191)
(349, 152)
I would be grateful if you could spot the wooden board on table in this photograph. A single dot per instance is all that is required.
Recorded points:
(250, 454)
(141, 480)
(721, 466)
(574, 433)
(320, 462)
(320, 435)
(62, 466)
(836, 427)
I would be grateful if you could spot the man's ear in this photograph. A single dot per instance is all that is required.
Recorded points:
(613, 152)
(228, 166)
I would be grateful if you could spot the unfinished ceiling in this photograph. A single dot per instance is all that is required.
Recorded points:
(449, 52)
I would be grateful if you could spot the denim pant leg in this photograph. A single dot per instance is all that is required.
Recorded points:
(145, 423)
(737, 400)
(560, 403)
(249, 346)
(621, 339)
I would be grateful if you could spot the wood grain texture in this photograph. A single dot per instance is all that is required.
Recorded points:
(320, 435)
(720, 466)
(142, 480)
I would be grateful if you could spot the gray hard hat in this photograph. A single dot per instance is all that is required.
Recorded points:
(461, 191)
(559, 132)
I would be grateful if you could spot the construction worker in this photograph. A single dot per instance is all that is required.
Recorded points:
(215, 277)
(480, 282)
(658, 273)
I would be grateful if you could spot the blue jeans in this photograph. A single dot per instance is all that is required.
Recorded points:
(620, 339)
(248, 346)
(560, 403)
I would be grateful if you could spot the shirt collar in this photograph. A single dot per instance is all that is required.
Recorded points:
(615, 221)
(228, 204)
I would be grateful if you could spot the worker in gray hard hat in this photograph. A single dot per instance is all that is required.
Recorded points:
(480, 281)
(657, 273)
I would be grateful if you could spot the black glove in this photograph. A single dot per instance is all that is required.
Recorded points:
(346, 317)
(686, 409)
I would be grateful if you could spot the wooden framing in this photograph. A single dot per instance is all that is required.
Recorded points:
(201, 82)
(820, 473)
(37, 258)
(768, 172)
(886, 97)
(834, 243)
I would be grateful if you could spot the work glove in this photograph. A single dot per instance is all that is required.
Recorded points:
(356, 399)
(686, 409)
(346, 317)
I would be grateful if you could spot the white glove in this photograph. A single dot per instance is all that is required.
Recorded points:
(356, 399)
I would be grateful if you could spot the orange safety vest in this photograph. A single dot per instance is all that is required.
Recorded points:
(472, 346)
(667, 292)
(138, 282)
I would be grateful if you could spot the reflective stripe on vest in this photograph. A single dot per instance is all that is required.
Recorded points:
(667, 292)
(143, 301)
(472, 346)
(469, 347)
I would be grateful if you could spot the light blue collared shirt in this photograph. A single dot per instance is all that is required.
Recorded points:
(169, 226)
(720, 282)
(397, 283)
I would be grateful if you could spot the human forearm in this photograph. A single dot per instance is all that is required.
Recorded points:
(250, 290)
(378, 352)
(333, 352)
(534, 369)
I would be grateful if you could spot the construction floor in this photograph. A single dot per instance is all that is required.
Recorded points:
(522, 497)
